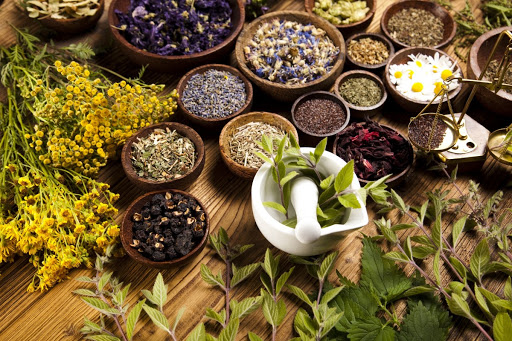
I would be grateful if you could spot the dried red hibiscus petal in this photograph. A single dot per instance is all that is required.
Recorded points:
(376, 150)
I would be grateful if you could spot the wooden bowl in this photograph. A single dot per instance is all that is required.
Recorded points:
(352, 63)
(449, 24)
(181, 62)
(213, 123)
(410, 105)
(394, 180)
(230, 128)
(350, 29)
(499, 103)
(358, 111)
(74, 25)
(283, 92)
(126, 232)
(151, 185)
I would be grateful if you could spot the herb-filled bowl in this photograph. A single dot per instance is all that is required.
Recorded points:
(279, 69)
(163, 155)
(269, 221)
(212, 94)
(369, 51)
(352, 27)
(362, 92)
(162, 229)
(167, 55)
(413, 76)
(237, 140)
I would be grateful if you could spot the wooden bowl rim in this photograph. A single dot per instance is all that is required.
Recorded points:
(202, 69)
(113, 20)
(314, 94)
(127, 229)
(473, 58)
(240, 55)
(377, 36)
(98, 13)
(431, 52)
(183, 130)
(411, 3)
(368, 17)
(394, 177)
(259, 117)
(363, 73)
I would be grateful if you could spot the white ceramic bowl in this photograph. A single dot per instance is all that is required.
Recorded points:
(283, 237)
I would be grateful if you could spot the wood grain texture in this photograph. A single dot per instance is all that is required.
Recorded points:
(58, 314)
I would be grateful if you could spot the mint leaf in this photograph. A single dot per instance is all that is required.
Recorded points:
(371, 329)
(502, 327)
(423, 324)
(344, 177)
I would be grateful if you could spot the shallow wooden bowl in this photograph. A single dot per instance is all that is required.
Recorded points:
(394, 180)
(75, 25)
(213, 123)
(449, 24)
(283, 92)
(358, 111)
(126, 232)
(349, 29)
(369, 67)
(150, 185)
(230, 128)
(501, 102)
(409, 105)
(175, 63)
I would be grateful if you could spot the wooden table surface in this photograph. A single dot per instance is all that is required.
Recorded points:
(58, 314)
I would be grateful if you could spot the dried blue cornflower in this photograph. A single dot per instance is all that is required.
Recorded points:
(176, 27)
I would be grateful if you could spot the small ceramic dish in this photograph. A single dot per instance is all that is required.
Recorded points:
(501, 102)
(450, 26)
(283, 237)
(127, 236)
(309, 137)
(175, 63)
(231, 127)
(213, 123)
(359, 111)
(181, 182)
(410, 105)
(352, 63)
(285, 92)
(352, 28)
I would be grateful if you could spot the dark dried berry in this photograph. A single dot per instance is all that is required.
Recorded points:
(138, 226)
(198, 233)
(155, 210)
(178, 197)
(176, 229)
(168, 232)
(157, 199)
(158, 229)
(184, 242)
(137, 217)
(168, 195)
(158, 256)
(147, 204)
(149, 249)
(140, 235)
(171, 253)
(146, 212)
(169, 240)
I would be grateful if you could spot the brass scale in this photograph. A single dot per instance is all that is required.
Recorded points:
(459, 144)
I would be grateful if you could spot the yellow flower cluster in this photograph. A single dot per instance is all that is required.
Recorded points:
(86, 120)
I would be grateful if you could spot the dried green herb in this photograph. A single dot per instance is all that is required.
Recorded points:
(492, 70)
(416, 27)
(361, 91)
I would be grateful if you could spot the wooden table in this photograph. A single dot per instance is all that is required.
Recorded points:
(58, 314)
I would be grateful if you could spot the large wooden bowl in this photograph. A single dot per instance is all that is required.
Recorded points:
(283, 92)
(376, 68)
(230, 128)
(126, 233)
(355, 110)
(213, 123)
(176, 63)
(350, 29)
(75, 25)
(410, 105)
(181, 182)
(450, 26)
(501, 102)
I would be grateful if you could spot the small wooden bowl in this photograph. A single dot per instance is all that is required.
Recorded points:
(311, 137)
(75, 25)
(394, 180)
(358, 111)
(350, 29)
(351, 63)
(126, 232)
(410, 105)
(213, 123)
(450, 26)
(151, 185)
(230, 128)
(499, 103)
(283, 92)
(176, 63)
